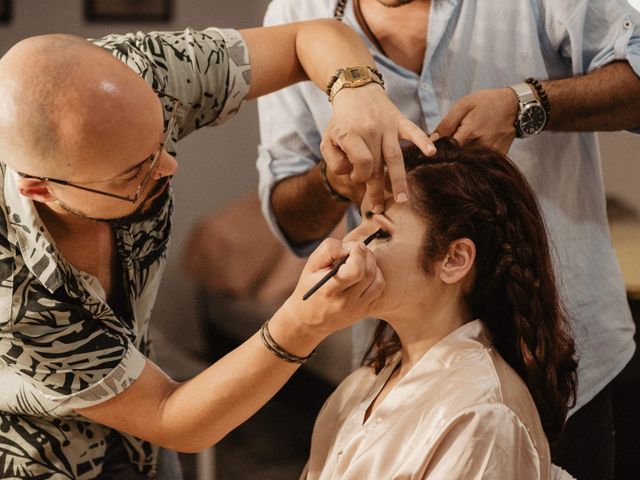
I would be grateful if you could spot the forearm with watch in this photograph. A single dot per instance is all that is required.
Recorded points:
(309, 206)
(606, 99)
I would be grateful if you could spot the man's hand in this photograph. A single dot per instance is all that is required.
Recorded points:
(483, 118)
(363, 137)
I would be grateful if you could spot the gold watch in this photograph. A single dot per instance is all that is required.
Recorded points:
(352, 77)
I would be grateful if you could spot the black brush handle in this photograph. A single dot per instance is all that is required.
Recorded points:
(335, 268)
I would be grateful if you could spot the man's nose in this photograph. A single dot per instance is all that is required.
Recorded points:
(166, 166)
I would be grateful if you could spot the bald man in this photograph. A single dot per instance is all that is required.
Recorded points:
(87, 143)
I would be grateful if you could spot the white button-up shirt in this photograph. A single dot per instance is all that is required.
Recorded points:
(474, 45)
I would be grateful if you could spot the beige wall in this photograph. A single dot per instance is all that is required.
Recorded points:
(217, 165)
(621, 165)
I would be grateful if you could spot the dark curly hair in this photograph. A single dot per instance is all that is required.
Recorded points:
(479, 194)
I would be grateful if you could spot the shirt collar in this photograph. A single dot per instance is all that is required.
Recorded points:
(37, 247)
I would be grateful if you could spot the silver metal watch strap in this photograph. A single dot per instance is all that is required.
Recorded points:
(524, 93)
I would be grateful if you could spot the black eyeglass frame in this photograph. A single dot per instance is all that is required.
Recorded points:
(154, 159)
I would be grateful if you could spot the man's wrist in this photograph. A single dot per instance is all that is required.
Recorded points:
(541, 94)
(352, 77)
(333, 193)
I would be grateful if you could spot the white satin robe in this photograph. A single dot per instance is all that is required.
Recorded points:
(460, 413)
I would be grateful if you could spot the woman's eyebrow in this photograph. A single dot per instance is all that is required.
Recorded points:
(384, 214)
(369, 214)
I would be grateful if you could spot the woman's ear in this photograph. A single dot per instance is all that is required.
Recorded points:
(458, 261)
(35, 189)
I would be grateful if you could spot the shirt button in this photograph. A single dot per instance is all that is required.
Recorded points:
(424, 85)
(627, 24)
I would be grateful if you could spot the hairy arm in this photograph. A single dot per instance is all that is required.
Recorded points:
(606, 99)
(304, 208)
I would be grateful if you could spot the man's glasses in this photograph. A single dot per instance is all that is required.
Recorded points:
(143, 170)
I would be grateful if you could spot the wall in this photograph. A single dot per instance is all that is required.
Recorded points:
(217, 165)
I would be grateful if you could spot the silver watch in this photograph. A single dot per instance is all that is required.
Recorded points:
(531, 118)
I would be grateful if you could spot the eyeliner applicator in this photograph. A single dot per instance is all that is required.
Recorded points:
(335, 268)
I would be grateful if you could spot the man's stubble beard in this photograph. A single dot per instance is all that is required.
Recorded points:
(141, 213)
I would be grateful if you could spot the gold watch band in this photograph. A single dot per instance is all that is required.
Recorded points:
(352, 77)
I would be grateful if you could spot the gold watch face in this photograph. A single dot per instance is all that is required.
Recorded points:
(357, 75)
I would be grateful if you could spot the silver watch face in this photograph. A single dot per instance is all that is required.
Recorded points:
(532, 119)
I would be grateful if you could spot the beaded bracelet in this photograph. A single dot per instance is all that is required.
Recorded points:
(544, 99)
(277, 350)
(334, 194)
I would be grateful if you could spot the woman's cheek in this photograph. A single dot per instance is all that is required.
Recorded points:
(383, 258)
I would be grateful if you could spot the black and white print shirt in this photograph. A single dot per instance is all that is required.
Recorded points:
(61, 346)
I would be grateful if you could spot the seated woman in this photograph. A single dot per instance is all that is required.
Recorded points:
(478, 372)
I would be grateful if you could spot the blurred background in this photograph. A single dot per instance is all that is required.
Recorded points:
(217, 169)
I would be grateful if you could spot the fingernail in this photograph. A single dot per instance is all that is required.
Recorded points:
(401, 197)
(378, 208)
(431, 150)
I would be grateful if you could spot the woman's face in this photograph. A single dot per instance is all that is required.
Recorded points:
(399, 258)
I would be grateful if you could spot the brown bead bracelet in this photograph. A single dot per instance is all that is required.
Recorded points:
(544, 99)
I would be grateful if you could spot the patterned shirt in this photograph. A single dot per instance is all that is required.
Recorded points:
(62, 347)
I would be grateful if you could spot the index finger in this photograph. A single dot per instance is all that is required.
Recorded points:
(374, 194)
(395, 169)
(411, 132)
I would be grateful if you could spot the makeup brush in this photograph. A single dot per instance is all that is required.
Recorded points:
(377, 234)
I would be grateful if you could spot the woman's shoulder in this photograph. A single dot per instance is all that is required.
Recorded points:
(513, 392)
(499, 392)
(481, 376)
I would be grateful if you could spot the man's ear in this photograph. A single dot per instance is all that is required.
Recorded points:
(458, 261)
(35, 189)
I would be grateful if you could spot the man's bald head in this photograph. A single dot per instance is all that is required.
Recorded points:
(70, 109)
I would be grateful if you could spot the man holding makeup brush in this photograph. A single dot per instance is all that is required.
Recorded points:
(531, 78)
(87, 138)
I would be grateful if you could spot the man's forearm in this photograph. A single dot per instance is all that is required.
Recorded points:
(304, 209)
(606, 99)
(290, 53)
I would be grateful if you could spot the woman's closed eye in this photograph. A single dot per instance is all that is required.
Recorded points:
(379, 234)
(382, 235)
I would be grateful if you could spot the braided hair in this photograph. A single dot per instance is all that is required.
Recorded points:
(479, 194)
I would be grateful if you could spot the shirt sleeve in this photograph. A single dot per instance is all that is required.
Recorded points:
(593, 33)
(208, 70)
(289, 137)
(484, 442)
(76, 355)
